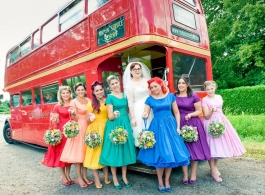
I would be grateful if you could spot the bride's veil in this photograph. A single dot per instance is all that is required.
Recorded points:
(127, 80)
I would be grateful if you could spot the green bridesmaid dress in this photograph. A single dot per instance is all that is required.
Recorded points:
(122, 154)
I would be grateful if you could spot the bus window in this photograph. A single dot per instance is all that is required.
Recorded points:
(71, 14)
(37, 95)
(36, 39)
(93, 5)
(105, 75)
(14, 55)
(50, 30)
(73, 80)
(184, 16)
(26, 98)
(49, 93)
(191, 2)
(25, 47)
(15, 100)
(192, 66)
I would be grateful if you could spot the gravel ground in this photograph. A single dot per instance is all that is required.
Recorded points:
(22, 174)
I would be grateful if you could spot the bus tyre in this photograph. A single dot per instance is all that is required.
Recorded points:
(7, 133)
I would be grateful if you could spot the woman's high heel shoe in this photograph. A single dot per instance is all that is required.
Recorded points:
(64, 183)
(218, 179)
(118, 187)
(106, 181)
(128, 185)
(82, 186)
(99, 186)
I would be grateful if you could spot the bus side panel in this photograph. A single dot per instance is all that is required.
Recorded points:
(13, 73)
(28, 127)
(48, 54)
(74, 40)
(150, 17)
(105, 14)
(42, 121)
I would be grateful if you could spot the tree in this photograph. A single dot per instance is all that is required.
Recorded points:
(237, 33)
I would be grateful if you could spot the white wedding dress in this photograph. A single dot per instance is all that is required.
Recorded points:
(136, 93)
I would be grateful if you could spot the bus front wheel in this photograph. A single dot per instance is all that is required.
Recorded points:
(7, 133)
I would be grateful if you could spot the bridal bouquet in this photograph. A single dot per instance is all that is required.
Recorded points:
(93, 139)
(71, 129)
(52, 137)
(189, 133)
(146, 139)
(216, 128)
(118, 135)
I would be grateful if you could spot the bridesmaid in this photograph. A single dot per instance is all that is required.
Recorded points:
(227, 145)
(117, 155)
(97, 116)
(169, 150)
(73, 151)
(190, 108)
(58, 118)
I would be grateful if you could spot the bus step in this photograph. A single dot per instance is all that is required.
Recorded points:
(142, 168)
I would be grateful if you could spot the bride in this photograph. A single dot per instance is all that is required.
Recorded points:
(135, 85)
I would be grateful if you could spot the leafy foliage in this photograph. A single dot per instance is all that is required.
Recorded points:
(237, 36)
(4, 107)
(246, 100)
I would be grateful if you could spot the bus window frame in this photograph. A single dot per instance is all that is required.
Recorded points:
(10, 53)
(27, 40)
(188, 10)
(71, 16)
(169, 64)
(44, 93)
(38, 33)
(195, 5)
(47, 25)
(31, 97)
(19, 102)
(72, 87)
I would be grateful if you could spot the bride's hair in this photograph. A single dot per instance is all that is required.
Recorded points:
(132, 67)
(127, 77)
(159, 82)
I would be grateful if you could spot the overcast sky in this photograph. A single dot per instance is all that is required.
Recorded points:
(18, 18)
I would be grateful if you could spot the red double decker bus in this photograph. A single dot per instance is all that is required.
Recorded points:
(87, 40)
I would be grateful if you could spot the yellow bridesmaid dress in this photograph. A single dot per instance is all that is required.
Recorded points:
(92, 156)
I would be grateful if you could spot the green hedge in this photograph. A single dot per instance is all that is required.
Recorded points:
(244, 100)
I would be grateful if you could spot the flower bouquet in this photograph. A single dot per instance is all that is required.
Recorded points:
(146, 139)
(53, 137)
(118, 135)
(93, 139)
(71, 129)
(189, 133)
(216, 128)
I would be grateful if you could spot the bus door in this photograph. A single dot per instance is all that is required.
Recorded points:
(111, 66)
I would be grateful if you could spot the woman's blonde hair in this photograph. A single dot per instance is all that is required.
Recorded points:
(61, 89)
(207, 83)
(112, 77)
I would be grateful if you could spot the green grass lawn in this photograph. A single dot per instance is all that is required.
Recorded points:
(251, 129)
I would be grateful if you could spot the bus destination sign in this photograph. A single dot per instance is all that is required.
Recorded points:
(185, 34)
(111, 31)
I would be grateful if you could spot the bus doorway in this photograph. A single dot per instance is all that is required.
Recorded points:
(111, 66)
(153, 56)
